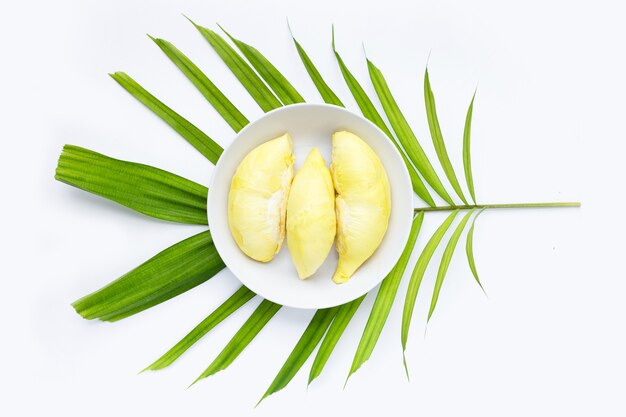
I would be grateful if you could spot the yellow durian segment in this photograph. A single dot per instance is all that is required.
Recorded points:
(311, 221)
(363, 202)
(257, 201)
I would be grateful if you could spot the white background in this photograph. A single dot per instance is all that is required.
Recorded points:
(548, 125)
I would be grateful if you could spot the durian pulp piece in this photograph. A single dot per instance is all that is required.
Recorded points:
(311, 221)
(363, 202)
(257, 202)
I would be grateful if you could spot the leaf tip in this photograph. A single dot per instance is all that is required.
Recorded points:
(155, 366)
(207, 373)
(482, 288)
(224, 30)
(406, 368)
(262, 398)
(191, 21)
(332, 32)
(431, 311)
(197, 379)
(118, 76)
(81, 309)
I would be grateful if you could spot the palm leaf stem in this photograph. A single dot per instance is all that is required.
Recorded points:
(498, 206)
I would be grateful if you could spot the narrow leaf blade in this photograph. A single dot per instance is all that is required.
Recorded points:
(437, 137)
(250, 329)
(405, 134)
(469, 250)
(277, 81)
(467, 160)
(171, 272)
(143, 188)
(228, 307)
(303, 349)
(384, 300)
(445, 261)
(338, 326)
(370, 113)
(214, 96)
(418, 274)
(198, 139)
(328, 95)
(240, 68)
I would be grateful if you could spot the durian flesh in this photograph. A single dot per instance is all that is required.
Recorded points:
(363, 202)
(311, 221)
(257, 201)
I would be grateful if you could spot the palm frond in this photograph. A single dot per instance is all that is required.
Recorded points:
(416, 279)
(384, 300)
(285, 91)
(437, 137)
(338, 326)
(250, 329)
(445, 261)
(405, 134)
(370, 113)
(198, 139)
(148, 190)
(240, 68)
(214, 96)
(163, 195)
(171, 272)
(467, 160)
(303, 349)
(228, 307)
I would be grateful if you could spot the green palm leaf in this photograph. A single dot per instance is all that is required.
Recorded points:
(199, 140)
(370, 113)
(416, 279)
(228, 307)
(303, 349)
(250, 329)
(469, 250)
(171, 272)
(143, 188)
(240, 68)
(277, 82)
(328, 95)
(404, 132)
(445, 261)
(214, 96)
(339, 324)
(467, 160)
(437, 137)
(194, 260)
(384, 300)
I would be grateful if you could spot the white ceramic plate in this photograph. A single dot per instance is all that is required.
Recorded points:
(310, 125)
